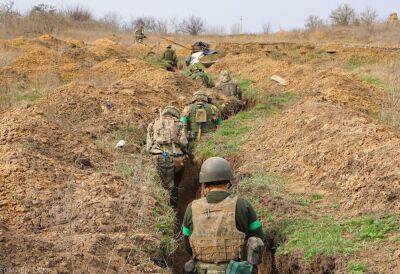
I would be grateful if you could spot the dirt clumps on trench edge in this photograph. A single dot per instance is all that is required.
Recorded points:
(63, 204)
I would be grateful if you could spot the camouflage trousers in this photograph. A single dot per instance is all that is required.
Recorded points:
(170, 171)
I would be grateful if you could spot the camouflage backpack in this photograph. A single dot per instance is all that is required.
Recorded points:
(229, 89)
(166, 130)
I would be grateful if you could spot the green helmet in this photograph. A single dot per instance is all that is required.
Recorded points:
(200, 95)
(215, 169)
(171, 110)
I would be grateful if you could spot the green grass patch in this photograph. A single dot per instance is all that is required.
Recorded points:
(298, 231)
(235, 132)
(356, 267)
(377, 82)
(330, 236)
(355, 62)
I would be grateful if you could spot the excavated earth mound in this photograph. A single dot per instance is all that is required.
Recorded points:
(328, 142)
(63, 204)
(328, 139)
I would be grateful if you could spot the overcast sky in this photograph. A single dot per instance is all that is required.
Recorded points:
(283, 14)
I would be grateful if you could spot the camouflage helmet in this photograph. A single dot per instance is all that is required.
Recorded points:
(225, 76)
(215, 169)
(200, 95)
(171, 110)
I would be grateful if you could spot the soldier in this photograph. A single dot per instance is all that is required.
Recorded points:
(216, 226)
(200, 116)
(139, 35)
(169, 56)
(197, 72)
(228, 86)
(166, 140)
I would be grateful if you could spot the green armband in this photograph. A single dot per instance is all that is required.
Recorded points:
(186, 231)
(184, 120)
(254, 225)
(219, 121)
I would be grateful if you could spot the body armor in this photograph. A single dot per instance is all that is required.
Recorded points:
(215, 238)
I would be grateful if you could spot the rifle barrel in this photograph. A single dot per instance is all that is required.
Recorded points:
(172, 41)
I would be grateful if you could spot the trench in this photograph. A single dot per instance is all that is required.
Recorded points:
(188, 191)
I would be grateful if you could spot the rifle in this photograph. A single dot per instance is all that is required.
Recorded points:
(173, 42)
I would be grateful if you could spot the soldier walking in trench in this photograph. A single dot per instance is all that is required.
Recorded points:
(166, 140)
(200, 116)
(222, 232)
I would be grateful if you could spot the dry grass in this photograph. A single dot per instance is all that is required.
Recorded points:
(387, 77)
(7, 56)
(21, 95)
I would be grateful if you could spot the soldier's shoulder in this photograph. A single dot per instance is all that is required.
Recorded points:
(186, 109)
(242, 202)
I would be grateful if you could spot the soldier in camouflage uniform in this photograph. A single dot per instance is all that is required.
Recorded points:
(200, 116)
(139, 35)
(197, 72)
(166, 140)
(228, 86)
(170, 57)
(216, 227)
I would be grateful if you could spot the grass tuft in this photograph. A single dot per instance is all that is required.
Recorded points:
(356, 267)
(235, 132)
(297, 231)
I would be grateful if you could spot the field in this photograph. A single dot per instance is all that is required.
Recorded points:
(319, 157)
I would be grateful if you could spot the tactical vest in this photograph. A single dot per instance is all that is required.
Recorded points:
(207, 126)
(166, 131)
(215, 238)
(229, 89)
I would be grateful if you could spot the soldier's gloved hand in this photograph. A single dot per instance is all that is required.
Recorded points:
(190, 267)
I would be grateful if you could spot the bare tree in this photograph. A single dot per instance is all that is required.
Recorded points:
(193, 25)
(344, 15)
(161, 26)
(8, 13)
(148, 22)
(79, 14)
(112, 21)
(369, 16)
(314, 22)
(266, 28)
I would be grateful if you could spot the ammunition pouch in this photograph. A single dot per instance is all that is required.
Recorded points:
(201, 115)
(190, 267)
(180, 162)
(239, 268)
(255, 248)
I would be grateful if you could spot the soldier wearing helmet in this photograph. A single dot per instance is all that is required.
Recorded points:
(200, 116)
(216, 227)
(139, 34)
(226, 85)
(166, 140)
(170, 57)
(197, 72)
